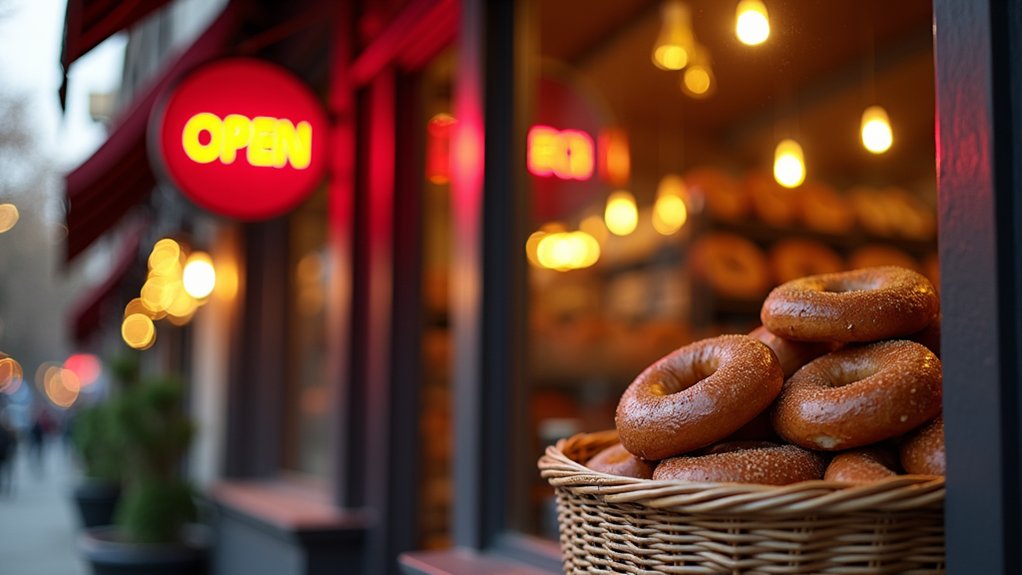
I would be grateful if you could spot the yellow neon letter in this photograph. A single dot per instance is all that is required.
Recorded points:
(293, 144)
(263, 142)
(237, 133)
(196, 150)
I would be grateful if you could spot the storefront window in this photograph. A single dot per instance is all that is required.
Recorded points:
(674, 183)
(306, 447)
(434, 127)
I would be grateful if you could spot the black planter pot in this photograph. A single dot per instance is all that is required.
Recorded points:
(96, 501)
(110, 555)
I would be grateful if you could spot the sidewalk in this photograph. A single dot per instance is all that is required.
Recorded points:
(38, 525)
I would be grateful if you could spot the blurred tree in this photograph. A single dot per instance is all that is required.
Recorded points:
(34, 290)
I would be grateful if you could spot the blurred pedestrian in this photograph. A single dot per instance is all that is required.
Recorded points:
(8, 447)
(37, 439)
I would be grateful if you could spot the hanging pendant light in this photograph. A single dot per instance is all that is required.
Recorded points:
(673, 46)
(669, 211)
(789, 164)
(752, 24)
(877, 136)
(621, 214)
(698, 81)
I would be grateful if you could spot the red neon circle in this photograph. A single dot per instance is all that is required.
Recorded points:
(238, 189)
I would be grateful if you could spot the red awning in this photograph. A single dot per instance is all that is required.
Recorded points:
(87, 312)
(118, 176)
(88, 22)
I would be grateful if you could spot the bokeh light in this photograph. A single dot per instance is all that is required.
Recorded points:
(752, 24)
(11, 375)
(621, 214)
(85, 366)
(165, 258)
(199, 276)
(138, 331)
(8, 217)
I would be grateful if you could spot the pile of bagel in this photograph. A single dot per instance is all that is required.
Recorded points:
(841, 382)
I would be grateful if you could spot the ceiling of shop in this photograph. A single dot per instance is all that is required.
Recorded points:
(822, 65)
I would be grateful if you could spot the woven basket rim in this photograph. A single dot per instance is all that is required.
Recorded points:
(895, 494)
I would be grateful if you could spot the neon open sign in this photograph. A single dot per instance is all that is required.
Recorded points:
(566, 154)
(242, 138)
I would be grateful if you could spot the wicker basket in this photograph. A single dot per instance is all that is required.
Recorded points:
(611, 524)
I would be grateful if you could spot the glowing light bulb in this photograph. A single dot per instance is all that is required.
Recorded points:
(563, 251)
(698, 81)
(621, 214)
(672, 48)
(532, 244)
(8, 217)
(165, 257)
(138, 331)
(199, 276)
(669, 211)
(877, 136)
(789, 164)
(752, 24)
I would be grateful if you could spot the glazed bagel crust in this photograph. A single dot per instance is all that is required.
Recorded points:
(864, 465)
(856, 306)
(923, 450)
(697, 395)
(779, 465)
(859, 395)
(616, 460)
(792, 354)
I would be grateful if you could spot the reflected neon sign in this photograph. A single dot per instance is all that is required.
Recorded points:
(565, 154)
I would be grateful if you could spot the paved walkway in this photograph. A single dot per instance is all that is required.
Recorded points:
(38, 525)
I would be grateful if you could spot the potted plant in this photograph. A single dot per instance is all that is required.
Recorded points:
(153, 532)
(99, 449)
(96, 445)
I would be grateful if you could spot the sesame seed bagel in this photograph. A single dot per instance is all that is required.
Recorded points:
(859, 395)
(861, 305)
(697, 395)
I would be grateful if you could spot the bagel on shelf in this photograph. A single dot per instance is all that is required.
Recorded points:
(733, 266)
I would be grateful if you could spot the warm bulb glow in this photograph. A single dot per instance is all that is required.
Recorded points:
(532, 244)
(157, 293)
(697, 81)
(11, 375)
(165, 257)
(138, 331)
(199, 276)
(789, 164)
(752, 24)
(621, 215)
(672, 48)
(565, 251)
(8, 217)
(877, 136)
(594, 226)
(670, 212)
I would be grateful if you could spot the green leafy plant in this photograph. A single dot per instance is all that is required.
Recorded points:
(157, 500)
(97, 443)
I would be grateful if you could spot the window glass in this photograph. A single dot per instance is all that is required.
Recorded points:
(306, 444)
(657, 214)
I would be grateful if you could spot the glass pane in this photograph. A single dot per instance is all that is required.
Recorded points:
(433, 131)
(306, 447)
(658, 218)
